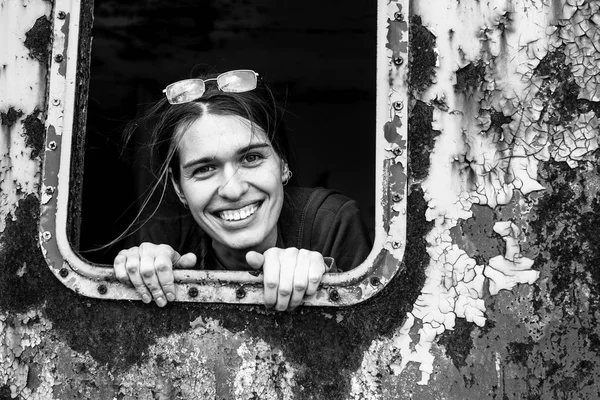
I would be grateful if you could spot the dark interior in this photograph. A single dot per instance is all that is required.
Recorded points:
(319, 56)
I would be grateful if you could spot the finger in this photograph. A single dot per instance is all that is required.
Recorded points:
(188, 260)
(164, 272)
(120, 270)
(300, 278)
(132, 266)
(271, 276)
(148, 272)
(315, 272)
(287, 260)
(255, 260)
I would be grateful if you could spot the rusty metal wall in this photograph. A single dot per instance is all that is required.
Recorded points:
(499, 297)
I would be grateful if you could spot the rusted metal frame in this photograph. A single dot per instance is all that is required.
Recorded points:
(346, 288)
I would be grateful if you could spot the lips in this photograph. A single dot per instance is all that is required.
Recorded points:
(238, 214)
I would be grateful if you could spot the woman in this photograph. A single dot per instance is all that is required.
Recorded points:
(223, 148)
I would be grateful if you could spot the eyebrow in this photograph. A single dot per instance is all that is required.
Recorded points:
(240, 151)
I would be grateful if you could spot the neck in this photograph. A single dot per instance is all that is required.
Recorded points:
(235, 259)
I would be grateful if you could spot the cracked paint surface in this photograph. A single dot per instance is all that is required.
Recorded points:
(498, 122)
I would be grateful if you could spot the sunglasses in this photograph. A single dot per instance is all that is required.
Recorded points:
(237, 81)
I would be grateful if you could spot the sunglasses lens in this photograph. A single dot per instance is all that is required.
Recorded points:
(242, 80)
(185, 91)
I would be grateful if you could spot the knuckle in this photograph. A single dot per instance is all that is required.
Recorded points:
(300, 287)
(147, 272)
(271, 284)
(162, 267)
(285, 291)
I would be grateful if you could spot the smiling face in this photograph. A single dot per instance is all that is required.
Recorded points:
(231, 178)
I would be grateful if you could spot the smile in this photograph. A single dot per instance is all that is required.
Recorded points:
(240, 213)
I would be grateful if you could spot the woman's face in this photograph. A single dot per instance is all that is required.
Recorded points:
(231, 179)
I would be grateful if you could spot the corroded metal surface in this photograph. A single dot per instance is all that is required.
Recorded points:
(499, 293)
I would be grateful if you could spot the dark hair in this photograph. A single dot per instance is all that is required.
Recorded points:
(164, 125)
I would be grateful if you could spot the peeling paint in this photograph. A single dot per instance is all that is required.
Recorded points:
(38, 40)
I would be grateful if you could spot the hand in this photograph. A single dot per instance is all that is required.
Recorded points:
(149, 268)
(290, 275)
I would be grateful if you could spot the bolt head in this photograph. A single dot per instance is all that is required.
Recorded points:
(334, 295)
(396, 245)
(398, 105)
(61, 15)
(397, 151)
(240, 293)
(398, 16)
(63, 272)
(398, 60)
(58, 58)
(193, 292)
(396, 197)
(52, 145)
(55, 102)
(375, 281)
(46, 236)
(102, 289)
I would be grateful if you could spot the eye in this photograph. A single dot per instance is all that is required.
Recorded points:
(203, 170)
(252, 158)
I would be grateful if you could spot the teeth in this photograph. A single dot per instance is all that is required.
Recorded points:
(241, 213)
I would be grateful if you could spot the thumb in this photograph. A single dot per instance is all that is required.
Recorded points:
(255, 259)
(188, 260)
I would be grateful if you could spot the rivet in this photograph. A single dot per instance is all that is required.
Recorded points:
(397, 151)
(240, 293)
(193, 292)
(375, 281)
(46, 236)
(63, 272)
(49, 190)
(58, 58)
(61, 15)
(334, 295)
(396, 197)
(398, 105)
(55, 102)
(398, 60)
(396, 245)
(102, 289)
(52, 145)
(398, 16)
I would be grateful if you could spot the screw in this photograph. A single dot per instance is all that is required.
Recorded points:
(52, 145)
(396, 245)
(396, 197)
(398, 60)
(56, 102)
(49, 190)
(46, 236)
(63, 272)
(398, 105)
(58, 58)
(61, 15)
(334, 295)
(240, 293)
(375, 281)
(397, 151)
(102, 289)
(399, 16)
(193, 292)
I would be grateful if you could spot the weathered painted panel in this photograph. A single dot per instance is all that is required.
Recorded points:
(499, 297)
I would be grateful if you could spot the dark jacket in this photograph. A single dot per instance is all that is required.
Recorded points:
(314, 219)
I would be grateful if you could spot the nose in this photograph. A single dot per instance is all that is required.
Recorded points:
(233, 185)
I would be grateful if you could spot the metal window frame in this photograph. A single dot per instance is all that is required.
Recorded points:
(238, 287)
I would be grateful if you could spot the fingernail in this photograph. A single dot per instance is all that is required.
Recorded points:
(170, 296)
(145, 298)
(161, 301)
